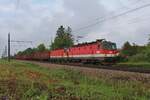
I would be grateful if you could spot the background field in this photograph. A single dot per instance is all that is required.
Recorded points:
(25, 81)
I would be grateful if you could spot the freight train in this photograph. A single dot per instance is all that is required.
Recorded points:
(99, 51)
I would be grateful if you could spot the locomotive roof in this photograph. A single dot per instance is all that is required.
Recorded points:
(88, 43)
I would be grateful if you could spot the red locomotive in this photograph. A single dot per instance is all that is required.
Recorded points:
(94, 52)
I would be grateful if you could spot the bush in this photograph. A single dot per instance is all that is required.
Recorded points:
(122, 58)
(135, 53)
(139, 58)
(143, 56)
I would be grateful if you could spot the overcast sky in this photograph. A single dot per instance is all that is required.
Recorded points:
(38, 20)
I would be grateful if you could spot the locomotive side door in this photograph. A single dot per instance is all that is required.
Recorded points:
(66, 52)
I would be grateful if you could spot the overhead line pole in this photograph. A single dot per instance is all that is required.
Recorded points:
(9, 41)
(8, 47)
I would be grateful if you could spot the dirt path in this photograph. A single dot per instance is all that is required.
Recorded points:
(103, 73)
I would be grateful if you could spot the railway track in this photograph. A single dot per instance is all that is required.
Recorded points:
(109, 67)
(114, 67)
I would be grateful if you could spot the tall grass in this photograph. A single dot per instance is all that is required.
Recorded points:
(26, 81)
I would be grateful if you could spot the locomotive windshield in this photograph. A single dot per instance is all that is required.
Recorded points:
(109, 45)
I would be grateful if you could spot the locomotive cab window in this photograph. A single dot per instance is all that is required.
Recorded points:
(98, 47)
(109, 45)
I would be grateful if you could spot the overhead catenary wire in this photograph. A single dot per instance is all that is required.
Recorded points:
(104, 19)
(112, 17)
(120, 8)
(124, 7)
(17, 4)
(21, 41)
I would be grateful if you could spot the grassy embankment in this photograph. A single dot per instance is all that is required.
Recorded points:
(26, 81)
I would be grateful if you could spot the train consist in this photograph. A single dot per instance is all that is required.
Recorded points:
(98, 51)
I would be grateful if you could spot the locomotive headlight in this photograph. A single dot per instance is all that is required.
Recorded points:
(117, 54)
(110, 52)
(97, 52)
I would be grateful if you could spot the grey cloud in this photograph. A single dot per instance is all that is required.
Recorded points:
(39, 22)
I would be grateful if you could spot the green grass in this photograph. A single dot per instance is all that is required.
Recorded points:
(27, 81)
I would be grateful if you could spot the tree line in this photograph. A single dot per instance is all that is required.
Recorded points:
(135, 53)
(63, 39)
(28, 51)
